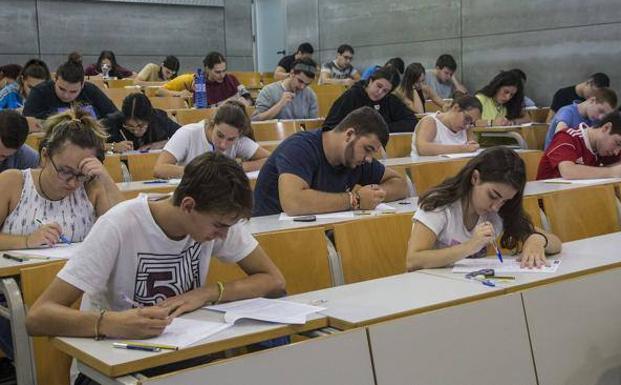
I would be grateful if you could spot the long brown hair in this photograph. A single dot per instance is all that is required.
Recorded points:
(234, 114)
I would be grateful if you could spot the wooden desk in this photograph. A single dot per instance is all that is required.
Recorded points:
(102, 357)
(529, 136)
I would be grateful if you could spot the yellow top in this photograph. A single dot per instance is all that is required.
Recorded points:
(491, 109)
(180, 83)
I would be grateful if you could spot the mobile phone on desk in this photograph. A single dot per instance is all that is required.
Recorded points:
(305, 218)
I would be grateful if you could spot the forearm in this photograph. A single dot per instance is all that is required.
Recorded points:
(395, 188)
(271, 113)
(253, 165)
(57, 320)
(310, 201)
(579, 171)
(252, 286)
(166, 92)
(428, 259)
(167, 171)
(12, 242)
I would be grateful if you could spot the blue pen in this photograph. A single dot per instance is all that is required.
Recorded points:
(498, 254)
(62, 238)
(155, 181)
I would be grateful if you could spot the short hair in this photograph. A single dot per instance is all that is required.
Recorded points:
(446, 60)
(305, 48)
(71, 72)
(365, 121)
(613, 117)
(345, 48)
(306, 66)
(11, 71)
(599, 80)
(172, 63)
(606, 95)
(35, 68)
(76, 126)
(467, 102)
(137, 106)
(217, 184)
(388, 73)
(396, 63)
(13, 129)
(233, 113)
(212, 59)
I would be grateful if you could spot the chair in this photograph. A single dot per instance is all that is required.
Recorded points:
(399, 145)
(373, 248)
(168, 102)
(309, 124)
(326, 96)
(112, 163)
(117, 95)
(52, 366)
(141, 165)
(34, 140)
(192, 115)
(97, 81)
(582, 212)
(531, 161)
(120, 83)
(531, 206)
(430, 174)
(538, 115)
(267, 78)
(248, 79)
(301, 255)
(273, 129)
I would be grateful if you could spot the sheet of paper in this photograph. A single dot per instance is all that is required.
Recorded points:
(383, 207)
(59, 251)
(183, 332)
(510, 265)
(252, 174)
(336, 215)
(174, 181)
(270, 310)
(581, 181)
(461, 155)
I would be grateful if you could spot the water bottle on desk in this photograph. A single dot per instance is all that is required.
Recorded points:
(200, 90)
(105, 71)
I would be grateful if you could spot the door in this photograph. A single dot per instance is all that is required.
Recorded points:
(270, 26)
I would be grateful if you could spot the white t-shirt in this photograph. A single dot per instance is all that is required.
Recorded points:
(190, 141)
(447, 224)
(444, 135)
(127, 254)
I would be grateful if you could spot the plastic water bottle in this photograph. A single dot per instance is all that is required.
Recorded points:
(200, 90)
(105, 71)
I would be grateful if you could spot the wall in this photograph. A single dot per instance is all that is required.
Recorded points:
(137, 33)
(556, 44)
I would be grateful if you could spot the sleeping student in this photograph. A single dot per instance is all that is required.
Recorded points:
(464, 214)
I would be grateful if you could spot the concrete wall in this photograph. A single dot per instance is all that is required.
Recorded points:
(555, 43)
(137, 33)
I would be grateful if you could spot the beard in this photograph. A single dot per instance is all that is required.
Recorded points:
(349, 154)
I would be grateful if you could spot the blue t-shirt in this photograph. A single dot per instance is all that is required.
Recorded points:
(24, 158)
(10, 98)
(369, 71)
(570, 116)
(302, 155)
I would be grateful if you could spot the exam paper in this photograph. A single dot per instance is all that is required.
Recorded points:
(58, 251)
(379, 209)
(263, 309)
(183, 332)
(461, 155)
(510, 265)
(581, 181)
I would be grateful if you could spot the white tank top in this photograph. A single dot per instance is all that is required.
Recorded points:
(443, 135)
(74, 213)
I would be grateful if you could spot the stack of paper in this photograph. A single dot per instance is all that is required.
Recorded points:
(510, 265)
(263, 309)
(183, 332)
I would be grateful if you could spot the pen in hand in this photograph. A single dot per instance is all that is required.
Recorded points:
(62, 238)
(495, 244)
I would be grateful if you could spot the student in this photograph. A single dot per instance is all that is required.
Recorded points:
(580, 92)
(413, 91)
(145, 263)
(602, 102)
(138, 126)
(152, 73)
(220, 85)
(340, 70)
(442, 78)
(108, 67)
(376, 93)
(396, 63)
(290, 98)
(228, 133)
(14, 153)
(584, 152)
(463, 215)
(68, 90)
(528, 102)
(502, 101)
(70, 190)
(8, 82)
(322, 171)
(283, 69)
(448, 132)
(34, 73)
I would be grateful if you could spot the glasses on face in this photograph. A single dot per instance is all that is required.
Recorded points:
(67, 175)
(136, 127)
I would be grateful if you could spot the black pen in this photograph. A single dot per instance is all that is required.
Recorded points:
(13, 257)
(144, 348)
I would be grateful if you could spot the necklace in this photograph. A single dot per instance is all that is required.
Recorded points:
(41, 189)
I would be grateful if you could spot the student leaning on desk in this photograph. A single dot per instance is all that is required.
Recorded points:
(145, 263)
(464, 214)
(502, 101)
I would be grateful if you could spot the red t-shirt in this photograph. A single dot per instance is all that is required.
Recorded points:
(217, 92)
(569, 145)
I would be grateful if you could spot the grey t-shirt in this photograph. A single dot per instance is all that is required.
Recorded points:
(303, 105)
(24, 158)
(444, 90)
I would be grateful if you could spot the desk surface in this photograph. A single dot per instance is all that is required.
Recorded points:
(541, 187)
(411, 160)
(368, 302)
(113, 362)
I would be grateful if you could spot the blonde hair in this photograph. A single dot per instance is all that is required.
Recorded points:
(76, 126)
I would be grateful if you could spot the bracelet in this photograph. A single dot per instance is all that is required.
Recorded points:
(220, 292)
(99, 336)
(544, 237)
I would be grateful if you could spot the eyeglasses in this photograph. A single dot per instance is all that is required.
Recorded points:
(140, 126)
(67, 175)
(468, 120)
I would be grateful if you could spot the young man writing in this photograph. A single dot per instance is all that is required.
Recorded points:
(322, 171)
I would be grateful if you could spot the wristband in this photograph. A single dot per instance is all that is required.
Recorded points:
(220, 292)
(99, 336)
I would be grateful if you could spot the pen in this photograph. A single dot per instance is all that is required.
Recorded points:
(131, 301)
(123, 135)
(155, 181)
(61, 237)
(27, 257)
(13, 258)
(122, 345)
(498, 253)
(556, 182)
(148, 345)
